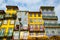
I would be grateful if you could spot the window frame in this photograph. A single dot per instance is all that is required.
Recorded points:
(3, 32)
(12, 21)
(35, 14)
(5, 22)
(1, 16)
(30, 14)
(10, 31)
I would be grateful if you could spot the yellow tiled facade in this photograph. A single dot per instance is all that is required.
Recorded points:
(36, 21)
(9, 21)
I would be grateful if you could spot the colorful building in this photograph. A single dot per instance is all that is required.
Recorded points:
(22, 24)
(9, 21)
(36, 25)
(29, 25)
(52, 27)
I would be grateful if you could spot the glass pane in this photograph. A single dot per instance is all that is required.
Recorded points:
(0, 23)
(31, 34)
(7, 15)
(31, 27)
(58, 32)
(1, 16)
(25, 35)
(36, 26)
(16, 34)
(34, 14)
(30, 14)
(31, 20)
(41, 28)
(39, 20)
(2, 32)
(12, 21)
(5, 21)
(38, 14)
(35, 20)
(10, 31)
(53, 32)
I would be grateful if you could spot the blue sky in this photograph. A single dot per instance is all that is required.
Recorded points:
(32, 5)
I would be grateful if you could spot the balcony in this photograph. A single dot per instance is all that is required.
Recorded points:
(47, 12)
(8, 16)
(52, 25)
(50, 17)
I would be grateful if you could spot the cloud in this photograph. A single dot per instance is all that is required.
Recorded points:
(1, 1)
(28, 1)
(57, 12)
(2, 5)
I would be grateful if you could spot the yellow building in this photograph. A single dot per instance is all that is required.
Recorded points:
(9, 21)
(36, 25)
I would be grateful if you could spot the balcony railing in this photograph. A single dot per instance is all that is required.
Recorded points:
(51, 25)
(52, 12)
(50, 17)
(8, 16)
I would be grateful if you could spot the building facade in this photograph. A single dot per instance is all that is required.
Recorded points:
(29, 25)
(51, 24)
(22, 21)
(9, 22)
(36, 25)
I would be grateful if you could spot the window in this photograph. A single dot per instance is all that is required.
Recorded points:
(41, 33)
(39, 20)
(10, 31)
(0, 23)
(30, 14)
(16, 34)
(35, 20)
(31, 34)
(12, 22)
(31, 27)
(37, 34)
(58, 32)
(53, 32)
(7, 15)
(1, 16)
(44, 10)
(2, 32)
(34, 14)
(5, 22)
(41, 28)
(25, 35)
(38, 14)
(47, 32)
(31, 20)
(36, 26)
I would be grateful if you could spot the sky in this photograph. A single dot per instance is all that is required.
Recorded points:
(32, 5)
